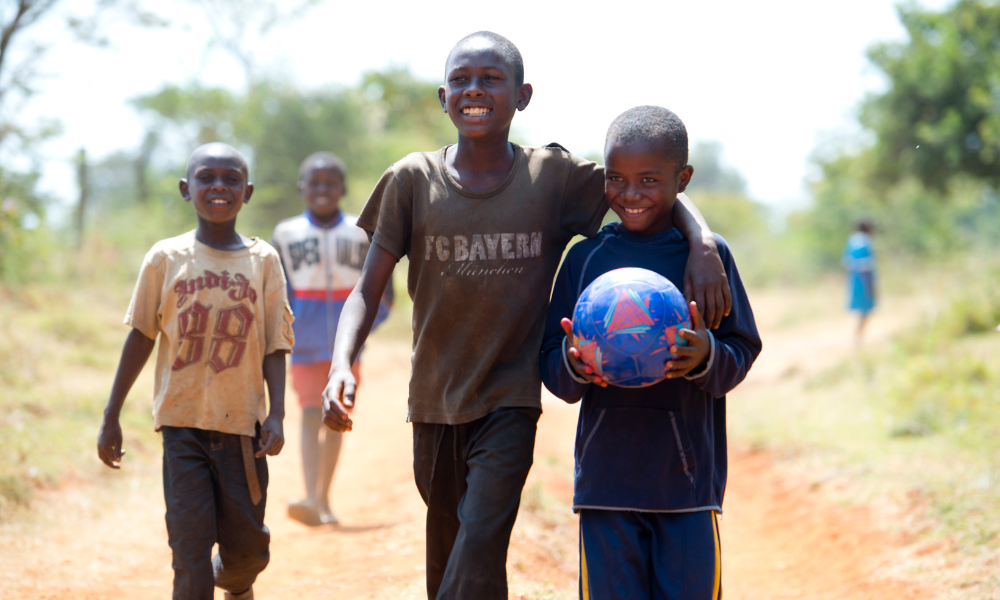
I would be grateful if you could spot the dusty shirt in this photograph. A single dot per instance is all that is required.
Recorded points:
(481, 269)
(218, 313)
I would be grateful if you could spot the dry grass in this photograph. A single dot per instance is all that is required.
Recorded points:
(59, 346)
(906, 425)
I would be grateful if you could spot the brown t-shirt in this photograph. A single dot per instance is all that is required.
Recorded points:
(481, 269)
(218, 314)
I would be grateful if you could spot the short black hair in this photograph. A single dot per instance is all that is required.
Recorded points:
(650, 124)
(322, 160)
(504, 47)
(216, 148)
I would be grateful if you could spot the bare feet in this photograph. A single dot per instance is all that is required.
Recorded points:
(305, 512)
(326, 515)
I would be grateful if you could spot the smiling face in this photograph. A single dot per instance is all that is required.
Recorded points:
(217, 184)
(642, 184)
(322, 187)
(480, 93)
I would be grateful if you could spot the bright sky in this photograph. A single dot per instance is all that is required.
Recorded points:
(771, 79)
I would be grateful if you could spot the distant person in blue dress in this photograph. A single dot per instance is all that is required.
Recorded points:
(859, 259)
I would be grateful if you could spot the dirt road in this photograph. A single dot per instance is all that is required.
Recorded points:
(781, 539)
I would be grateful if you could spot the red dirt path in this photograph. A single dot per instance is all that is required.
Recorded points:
(780, 538)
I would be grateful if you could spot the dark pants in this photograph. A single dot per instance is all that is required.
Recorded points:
(649, 556)
(471, 477)
(208, 501)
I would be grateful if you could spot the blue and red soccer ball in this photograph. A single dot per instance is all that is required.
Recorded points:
(625, 323)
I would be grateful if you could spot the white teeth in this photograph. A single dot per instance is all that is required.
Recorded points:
(475, 111)
(634, 211)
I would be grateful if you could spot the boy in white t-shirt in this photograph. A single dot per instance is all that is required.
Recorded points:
(217, 300)
(322, 251)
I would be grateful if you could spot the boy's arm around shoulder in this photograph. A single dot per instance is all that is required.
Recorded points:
(705, 280)
(583, 202)
(737, 342)
(553, 362)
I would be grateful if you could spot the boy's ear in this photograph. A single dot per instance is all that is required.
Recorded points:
(684, 178)
(185, 192)
(523, 96)
(248, 193)
(441, 98)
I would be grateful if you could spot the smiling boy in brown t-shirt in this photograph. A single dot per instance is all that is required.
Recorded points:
(216, 301)
(484, 224)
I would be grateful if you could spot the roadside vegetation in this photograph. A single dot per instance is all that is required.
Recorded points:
(59, 345)
(908, 425)
(905, 426)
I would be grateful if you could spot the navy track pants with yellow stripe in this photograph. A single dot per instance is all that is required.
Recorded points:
(649, 556)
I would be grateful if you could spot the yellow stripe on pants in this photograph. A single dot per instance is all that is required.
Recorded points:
(584, 580)
(717, 587)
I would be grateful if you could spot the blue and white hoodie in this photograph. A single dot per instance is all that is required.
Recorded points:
(322, 265)
(660, 448)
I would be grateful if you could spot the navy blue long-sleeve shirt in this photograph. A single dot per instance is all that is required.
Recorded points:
(660, 448)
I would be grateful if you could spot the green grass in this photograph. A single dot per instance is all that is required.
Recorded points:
(60, 341)
(912, 423)
(59, 345)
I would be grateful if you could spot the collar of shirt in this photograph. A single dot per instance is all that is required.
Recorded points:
(316, 222)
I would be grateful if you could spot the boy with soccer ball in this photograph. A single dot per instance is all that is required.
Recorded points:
(484, 223)
(650, 462)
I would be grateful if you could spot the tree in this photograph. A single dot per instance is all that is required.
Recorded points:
(240, 27)
(19, 57)
(16, 76)
(940, 116)
(17, 70)
(711, 173)
(389, 114)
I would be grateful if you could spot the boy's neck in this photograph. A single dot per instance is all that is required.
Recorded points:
(220, 236)
(481, 164)
(324, 219)
(650, 231)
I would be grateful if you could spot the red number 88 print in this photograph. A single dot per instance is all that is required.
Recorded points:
(226, 349)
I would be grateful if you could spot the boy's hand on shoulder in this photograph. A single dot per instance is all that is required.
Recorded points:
(575, 359)
(338, 400)
(272, 437)
(109, 443)
(706, 283)
(687, 358)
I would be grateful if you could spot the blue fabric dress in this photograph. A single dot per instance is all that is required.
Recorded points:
(859, 259)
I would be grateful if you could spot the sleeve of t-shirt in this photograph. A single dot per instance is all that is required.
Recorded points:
(281, 260)
(144, 310)
(388, 215)
(278, 334)
(584, 205)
